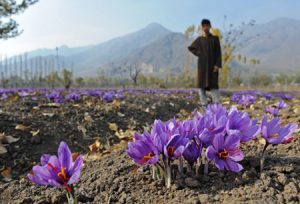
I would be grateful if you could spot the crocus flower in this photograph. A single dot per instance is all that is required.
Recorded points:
(58, 171)
(274, 111)
(240, 123)
(109, 96)
(175, 147)
(73, 96)
(143, 151)
(217, 110)
(268, 96)
(211, 126)
(192, 152)
(273, 133)
(23, 93)
(247, 100)
(281, 105)
(160, 134)
(225, 152)
(285, 96)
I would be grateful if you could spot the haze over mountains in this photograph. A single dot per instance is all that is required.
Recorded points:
(163, 51)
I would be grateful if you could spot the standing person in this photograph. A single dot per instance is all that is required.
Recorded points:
(208, 50)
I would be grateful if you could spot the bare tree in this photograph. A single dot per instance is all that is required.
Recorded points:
(134, 72)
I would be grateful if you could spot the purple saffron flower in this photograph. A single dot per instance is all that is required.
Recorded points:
(175, 147)
(240, 123)
(54, 96)
(272, 110)
(281, 105)
(217, 110)
(225, 152)
(143, 151)
(109, 96)
(211, 126)
(23, 93)
(273, 133)
(73, 96)
(57, 171)
(268, 96)
(285, 96)
(187, 129)
(192, 152)
(247, 100)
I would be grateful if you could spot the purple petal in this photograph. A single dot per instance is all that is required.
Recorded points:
(75, 177)
(178, 152)
(233, 166)
(220, 163)
(76, 165)
(211, 153)
(45, 158)
(64, 156)
(232, 141)
(37, 180)
(218, 142)
(54, 183)
(236, 155)
(42, 172)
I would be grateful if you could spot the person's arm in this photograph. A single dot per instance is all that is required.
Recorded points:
(195, 47)
(218, 54)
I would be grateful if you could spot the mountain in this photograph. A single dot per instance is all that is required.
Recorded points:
(63, 51)
(167, 53)
(276, 44)
(117, 49)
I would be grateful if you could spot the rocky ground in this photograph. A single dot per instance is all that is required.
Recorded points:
(108, 176)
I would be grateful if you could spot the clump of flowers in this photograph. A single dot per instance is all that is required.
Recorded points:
(58, 171)
(218, 132)
(274, 110)
(273, 134)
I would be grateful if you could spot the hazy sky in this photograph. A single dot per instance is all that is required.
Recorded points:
(51, 23)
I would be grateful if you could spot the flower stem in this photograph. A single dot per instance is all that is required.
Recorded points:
(71, 198)
(262, 158)
(180, 167)
(167, 172)
(189, 168)
(205, 171)
(205, 164)
(198, 165)
(154, 172)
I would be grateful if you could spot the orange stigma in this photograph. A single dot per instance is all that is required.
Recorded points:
(275, 135)
(146, 158)
(224, 154)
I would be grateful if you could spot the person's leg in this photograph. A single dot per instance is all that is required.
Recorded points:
(203, 97)
(215, 95)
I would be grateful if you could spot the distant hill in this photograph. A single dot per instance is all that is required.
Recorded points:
(118, 49)
(275, 43)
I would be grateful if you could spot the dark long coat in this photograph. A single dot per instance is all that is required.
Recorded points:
(208, 51)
